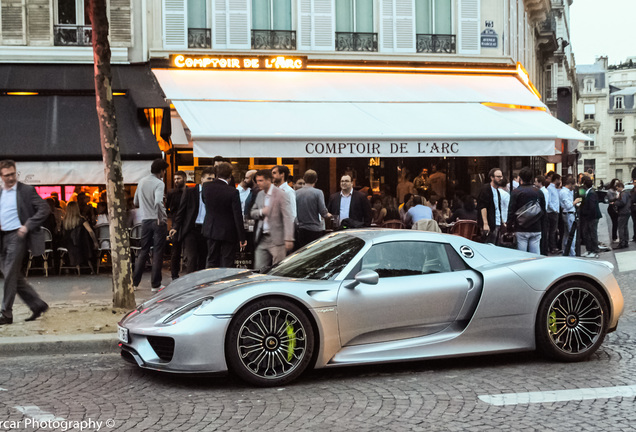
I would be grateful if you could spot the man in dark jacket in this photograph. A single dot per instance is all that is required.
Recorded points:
(489, 216)
(529, 234)
(172, 206)
(22, 212)
(589, 216)
(223, 225)
(350, 204)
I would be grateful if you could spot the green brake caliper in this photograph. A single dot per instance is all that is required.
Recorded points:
(552, 322)
(291, 346)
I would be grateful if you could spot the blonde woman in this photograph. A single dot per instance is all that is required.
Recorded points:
(77, 236)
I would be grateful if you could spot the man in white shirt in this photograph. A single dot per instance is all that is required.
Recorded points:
(553, 212)
(568, 205)
(280, 173)
(540, 183)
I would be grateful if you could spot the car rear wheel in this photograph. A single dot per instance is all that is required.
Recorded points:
(269, 343)
(572, 321)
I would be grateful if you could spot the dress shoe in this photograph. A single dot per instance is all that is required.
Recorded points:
(5, 320)
(620, 246)
(37, 313)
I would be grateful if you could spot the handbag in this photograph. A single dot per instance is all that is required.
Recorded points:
(528, 214)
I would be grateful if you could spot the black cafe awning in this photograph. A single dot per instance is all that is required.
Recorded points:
(55, 128)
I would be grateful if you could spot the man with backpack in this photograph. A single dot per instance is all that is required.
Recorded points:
(525, 213)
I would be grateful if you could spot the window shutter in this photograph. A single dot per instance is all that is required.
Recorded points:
(39, 22)
(469, 27)
(220, 24)
(13, 22)
(120, 21)
(175, 30)
(405, 25)
(239, 35)
(513, 30)
(316, 29)
(387, 25)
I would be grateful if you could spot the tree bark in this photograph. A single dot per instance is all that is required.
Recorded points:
(123, 293)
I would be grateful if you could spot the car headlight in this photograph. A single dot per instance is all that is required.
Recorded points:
(186, 311)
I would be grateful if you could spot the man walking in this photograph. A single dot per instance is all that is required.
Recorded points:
(280, 174)
(350, 204)
(154, 228)
(310, 204)
(275, 230)
(528, 234)
(489, 213)
(568, 205)
(223, 223)
(22, 212)
(188, 224)
(173, 200)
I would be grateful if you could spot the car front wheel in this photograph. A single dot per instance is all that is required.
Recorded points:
(572, 321)
(269, 343)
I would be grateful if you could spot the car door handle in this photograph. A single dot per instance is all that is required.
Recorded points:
(471, 283)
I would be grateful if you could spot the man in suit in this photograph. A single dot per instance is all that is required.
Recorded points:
(188, 224)
(173, 200)
(223, 224)
(275, 230)
(489, 211)
(350, 204)
(22, 212)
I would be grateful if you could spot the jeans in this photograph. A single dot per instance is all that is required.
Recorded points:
(529, 242)
(553, 221)
(152, 235)
(568, 220)
(623, 230)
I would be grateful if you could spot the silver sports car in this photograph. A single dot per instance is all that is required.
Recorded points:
(374, 296)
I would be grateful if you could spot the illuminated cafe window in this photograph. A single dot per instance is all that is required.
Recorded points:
(199, 32)
(272, 25)
(72, 23)
(590, 111)
(354, 26)
(434, 26)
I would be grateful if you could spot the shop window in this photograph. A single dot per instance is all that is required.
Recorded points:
(618, 102)
(199, 32)
(72, 23)
(354, 26)
(272, 25)
(618, 125)
(434, 26)
(185, 159)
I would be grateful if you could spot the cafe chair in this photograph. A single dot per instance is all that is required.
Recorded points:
(426, 225)
(48, 253)
(464, 228)
(135, 242)
(102, 232)
(393, 223)
(64, 262)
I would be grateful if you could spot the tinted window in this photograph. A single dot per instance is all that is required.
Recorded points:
(322, 260)
(406, 258)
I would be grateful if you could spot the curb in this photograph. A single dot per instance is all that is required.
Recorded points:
(71, 344)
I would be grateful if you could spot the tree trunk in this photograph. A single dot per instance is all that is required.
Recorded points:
(123, 293)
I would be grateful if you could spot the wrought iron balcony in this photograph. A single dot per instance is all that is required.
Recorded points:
(199, 38)
(436, 43)
(274, 39)
(350, 41)
(73, 35)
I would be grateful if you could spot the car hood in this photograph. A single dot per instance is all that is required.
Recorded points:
(192, 288)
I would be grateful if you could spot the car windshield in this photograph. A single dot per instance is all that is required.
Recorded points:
(320, 260)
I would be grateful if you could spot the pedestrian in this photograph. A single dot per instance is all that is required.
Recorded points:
(22, 213)
(589, 216)
(187, 228)
(568, 205)
(350, 204)
(632, 195)
(505, 199)
(154, 223)
(623, 205)
(612, 211)
(420, 210)
(223, 223)
(78, 238)
(245, 187)
(172, 202)
(280, 174)
(489, 211)
(529, 233)
(310, 204)
(553, 212)
(300, 183)
(541, 183)
(275, 229)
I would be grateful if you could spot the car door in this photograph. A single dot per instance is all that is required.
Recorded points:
(419, 292)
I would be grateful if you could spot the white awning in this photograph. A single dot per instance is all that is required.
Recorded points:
(318, 114)
(77, 172)
(178, 136)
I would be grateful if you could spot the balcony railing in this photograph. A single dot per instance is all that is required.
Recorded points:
(199, 38)
(73, 35)
(353, 41)
(436, 43)
(274, 39)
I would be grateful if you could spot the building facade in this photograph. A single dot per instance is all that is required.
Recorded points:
(607, 115)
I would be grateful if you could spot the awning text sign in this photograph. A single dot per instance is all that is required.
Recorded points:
(370, 149)
(183, 61)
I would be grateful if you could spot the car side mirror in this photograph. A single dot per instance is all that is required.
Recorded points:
(368, 277)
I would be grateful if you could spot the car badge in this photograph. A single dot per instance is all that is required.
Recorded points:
(467, 251)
